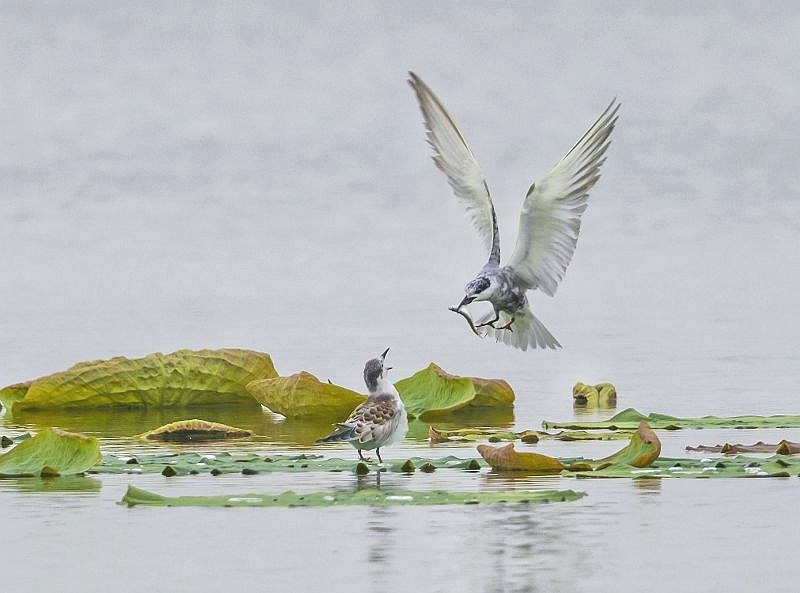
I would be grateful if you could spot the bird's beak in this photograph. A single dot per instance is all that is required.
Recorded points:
(465, 301)
(384, 354)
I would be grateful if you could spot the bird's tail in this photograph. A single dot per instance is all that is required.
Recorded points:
(343, 432)
(528, 331)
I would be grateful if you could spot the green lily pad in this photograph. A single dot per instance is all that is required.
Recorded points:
(51, 452)
(778, 466)
(195, 430)
(432, 392)
(367, 496)
(630, 418)
(182, 378)
(441, 435)
(189, 463)
(641, 451)
(302, 394)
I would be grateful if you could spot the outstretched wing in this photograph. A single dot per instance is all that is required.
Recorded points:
(551, 213)
(452, 155)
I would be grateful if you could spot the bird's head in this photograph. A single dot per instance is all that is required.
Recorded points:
(375, 370)
(479, 289)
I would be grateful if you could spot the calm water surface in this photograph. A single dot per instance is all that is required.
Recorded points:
(256, 176)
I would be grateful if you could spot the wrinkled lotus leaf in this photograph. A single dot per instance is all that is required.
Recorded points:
(51, 452)
(783, 448)
(188, 463)
(195, 430)
(630, 418)
(602, 395)
(641, 451)
(13, 393)
(432, 392)
(507, 459)
(368, 496)
(302, 394)
(182, 378)
(441, 435)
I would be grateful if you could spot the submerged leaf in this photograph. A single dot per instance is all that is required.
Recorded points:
(195, 430)
(302, 394)
(51, 452)
(368, 496)
(630, 418)
(182, 378)
(433, 392)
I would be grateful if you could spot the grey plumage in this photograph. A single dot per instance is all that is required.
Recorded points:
(550, 220)
(378, 421)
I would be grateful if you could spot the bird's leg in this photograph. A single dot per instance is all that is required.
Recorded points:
(378, 452)
(361, 457)
(493, 321)
(508, 325)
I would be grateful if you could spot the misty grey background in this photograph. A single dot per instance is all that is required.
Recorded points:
(187, 175)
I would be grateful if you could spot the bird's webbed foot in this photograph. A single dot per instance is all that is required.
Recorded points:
(362, 458)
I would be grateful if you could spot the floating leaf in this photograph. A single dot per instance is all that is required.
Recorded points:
(778, 466)
(303, 395)
(368, 496)
(51, 452)
(441, 435)
(507, 459)
(195, 430)
(186, 463)
(641, 451)
(182, 378)
(432, 392)
(783, 448)
(630, 418)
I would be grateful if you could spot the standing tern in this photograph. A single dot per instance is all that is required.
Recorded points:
(379, 421)
(549, 222)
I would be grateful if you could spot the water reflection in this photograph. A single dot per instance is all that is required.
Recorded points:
(647, 485)
(123, 424)
(56, 484)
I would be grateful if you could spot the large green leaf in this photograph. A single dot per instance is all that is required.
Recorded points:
(195, 430)
(303, 395)
(432, 393)
(182, 378)
(367, 496)
(630, 418)
(51, 452)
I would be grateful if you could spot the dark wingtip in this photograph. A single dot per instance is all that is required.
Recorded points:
(384, 353)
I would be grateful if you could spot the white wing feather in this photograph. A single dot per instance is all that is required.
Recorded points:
(551, 213)
(453, 156)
